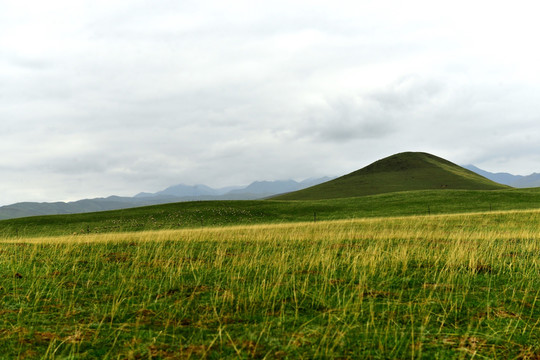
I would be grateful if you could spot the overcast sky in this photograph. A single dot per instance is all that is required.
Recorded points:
(107, 97)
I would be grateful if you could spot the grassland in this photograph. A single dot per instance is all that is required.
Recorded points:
(230, 213)
(439, 286)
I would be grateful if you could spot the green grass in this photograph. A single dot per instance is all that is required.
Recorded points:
(422, 274)
(374, 277)
(401, 172)
(445, 286)
(225, 213)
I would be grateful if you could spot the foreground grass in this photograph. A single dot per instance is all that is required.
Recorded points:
(453, 286)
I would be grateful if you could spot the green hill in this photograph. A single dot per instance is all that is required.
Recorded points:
(401, 172)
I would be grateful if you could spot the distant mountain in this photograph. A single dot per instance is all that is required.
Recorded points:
(182, 190)
(269, 188)
(400, 172)
(315, 181)
(82, 206)
(517, 181)
(177, 193)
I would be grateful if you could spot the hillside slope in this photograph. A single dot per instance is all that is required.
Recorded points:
(400, 172)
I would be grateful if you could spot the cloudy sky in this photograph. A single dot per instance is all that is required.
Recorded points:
(107, 97)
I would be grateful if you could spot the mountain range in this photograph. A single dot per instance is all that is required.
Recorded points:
(177, 193)
(400, 172)
(517, 181)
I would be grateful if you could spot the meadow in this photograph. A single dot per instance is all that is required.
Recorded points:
(198, 214)
(429, 286)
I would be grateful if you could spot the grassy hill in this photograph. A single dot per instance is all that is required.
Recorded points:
(224, 213)
(401, 172)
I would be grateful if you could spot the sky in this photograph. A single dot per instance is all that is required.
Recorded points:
(108, 97)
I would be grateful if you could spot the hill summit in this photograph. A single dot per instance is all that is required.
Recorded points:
(400, 172)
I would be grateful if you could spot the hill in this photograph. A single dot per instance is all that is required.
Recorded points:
(400, 172)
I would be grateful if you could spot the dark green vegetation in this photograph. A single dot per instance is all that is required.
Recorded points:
(420, 288)
(401, 172)
(221, 213)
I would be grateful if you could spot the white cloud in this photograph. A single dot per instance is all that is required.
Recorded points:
(103, 97)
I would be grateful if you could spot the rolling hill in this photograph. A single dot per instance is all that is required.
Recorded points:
(249, 212)
(400, 172)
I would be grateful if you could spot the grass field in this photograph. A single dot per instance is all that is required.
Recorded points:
(230, 213)
(439, 286)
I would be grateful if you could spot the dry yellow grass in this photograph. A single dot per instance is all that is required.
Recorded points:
(459, 227)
